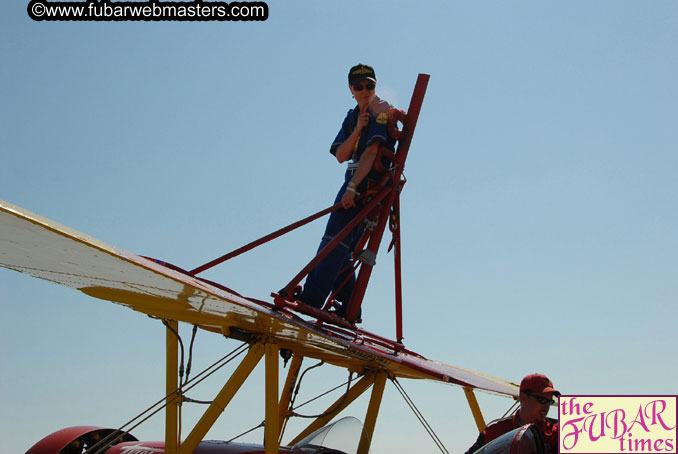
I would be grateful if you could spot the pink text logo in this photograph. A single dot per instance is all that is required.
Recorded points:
(617, 424)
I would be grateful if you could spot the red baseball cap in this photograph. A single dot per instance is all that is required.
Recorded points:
(538, 383)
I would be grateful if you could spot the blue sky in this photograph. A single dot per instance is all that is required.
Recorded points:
(539, 223)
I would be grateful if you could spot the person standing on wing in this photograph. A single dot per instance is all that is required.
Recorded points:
(363, 131)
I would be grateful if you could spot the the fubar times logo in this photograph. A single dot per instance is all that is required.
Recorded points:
(617, 424)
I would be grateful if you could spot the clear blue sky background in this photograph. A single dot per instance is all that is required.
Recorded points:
(539, 219)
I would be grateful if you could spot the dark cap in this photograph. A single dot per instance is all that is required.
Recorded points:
(537, 383)
(361, 72)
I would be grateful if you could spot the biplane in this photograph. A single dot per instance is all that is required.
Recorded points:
(269, 330)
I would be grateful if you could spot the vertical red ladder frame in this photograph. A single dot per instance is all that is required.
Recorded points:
(393, 197)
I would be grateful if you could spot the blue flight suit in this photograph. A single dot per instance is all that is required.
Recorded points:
(326, 277)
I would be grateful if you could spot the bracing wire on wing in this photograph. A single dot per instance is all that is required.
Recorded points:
(329, 410)
(190, 352)
(261, 424)
(292, 408)
(511, 408)
(158, 406)
(420, 417)
(323, 394)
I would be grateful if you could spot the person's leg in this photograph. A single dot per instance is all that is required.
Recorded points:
(321, 280)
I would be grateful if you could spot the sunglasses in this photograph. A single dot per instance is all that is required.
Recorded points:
(368, 86)
(540, 399)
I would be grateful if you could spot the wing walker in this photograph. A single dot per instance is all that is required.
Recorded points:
(269, 331)
(382, 206)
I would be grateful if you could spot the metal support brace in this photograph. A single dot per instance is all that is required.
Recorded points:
(397, 269)
(344, 401)
(171, 385)
(372, 413)
(286, 396)
(222, 400)
(272, 426)
(475, 408)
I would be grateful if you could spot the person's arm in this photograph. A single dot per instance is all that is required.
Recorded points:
(345, 150)
(364, 167)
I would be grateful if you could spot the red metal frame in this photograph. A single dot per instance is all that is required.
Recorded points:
(289, 288)
(385, 202)
(397, 270)
(264, 239)
(375, 239)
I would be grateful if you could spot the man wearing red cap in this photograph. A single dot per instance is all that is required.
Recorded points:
(536, 396)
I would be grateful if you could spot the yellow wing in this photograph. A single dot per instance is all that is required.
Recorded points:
(48, 250)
